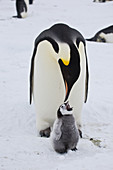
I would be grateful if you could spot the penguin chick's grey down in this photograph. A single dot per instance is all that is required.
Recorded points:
(64, 135)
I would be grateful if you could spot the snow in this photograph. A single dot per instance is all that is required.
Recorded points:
(20, 148)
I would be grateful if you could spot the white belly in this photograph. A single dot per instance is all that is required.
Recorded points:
(108, 37)
(48, 86)
(24, 13)
(49, 89)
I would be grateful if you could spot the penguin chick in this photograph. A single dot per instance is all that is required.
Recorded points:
(64, 135)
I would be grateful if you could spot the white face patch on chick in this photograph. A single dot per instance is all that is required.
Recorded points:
(65, 109)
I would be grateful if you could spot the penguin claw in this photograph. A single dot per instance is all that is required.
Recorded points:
(74, 149)
(45, 132)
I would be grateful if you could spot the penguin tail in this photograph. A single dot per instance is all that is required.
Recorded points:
(16, 16)
(91, 39)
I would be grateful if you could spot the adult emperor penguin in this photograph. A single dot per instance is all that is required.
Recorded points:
(22, 8)
(104, 35)
(59, 72)
(64, 135)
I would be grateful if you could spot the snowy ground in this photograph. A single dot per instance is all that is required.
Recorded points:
(20, 148)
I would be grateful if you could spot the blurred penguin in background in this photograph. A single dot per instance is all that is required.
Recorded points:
(105, 35)
(22, 8)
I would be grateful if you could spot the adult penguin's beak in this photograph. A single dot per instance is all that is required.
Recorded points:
(66, 89)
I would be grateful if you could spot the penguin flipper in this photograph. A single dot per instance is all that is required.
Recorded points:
(87, 79)
(56, 133)
(32, 73)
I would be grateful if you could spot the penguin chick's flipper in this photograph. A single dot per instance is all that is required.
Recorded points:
(45, 132)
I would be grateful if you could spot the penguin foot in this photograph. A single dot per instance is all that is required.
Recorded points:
(45, 132)
(74, 149)
(80, 133)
